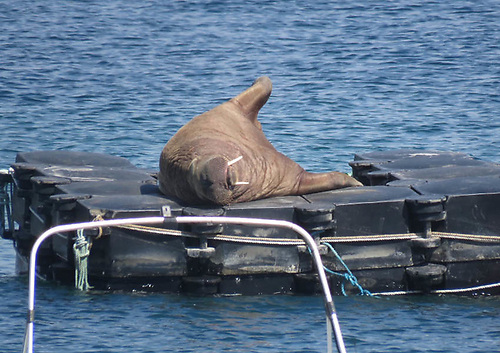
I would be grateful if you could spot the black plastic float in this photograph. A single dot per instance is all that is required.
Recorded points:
(426, 221)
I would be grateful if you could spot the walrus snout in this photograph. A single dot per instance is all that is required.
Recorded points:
(211, 179)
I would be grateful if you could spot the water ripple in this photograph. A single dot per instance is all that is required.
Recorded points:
(121, 77)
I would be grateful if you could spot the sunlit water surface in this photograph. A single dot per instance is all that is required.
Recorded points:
(121, 77)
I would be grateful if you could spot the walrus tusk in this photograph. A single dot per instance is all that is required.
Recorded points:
(230, 163)
(234, 161)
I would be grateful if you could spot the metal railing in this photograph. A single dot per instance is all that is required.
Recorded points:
(331, 315)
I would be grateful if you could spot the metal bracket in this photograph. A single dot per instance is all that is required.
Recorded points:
(323, 250)
(199, 253)
(30, 317)
(166, 211)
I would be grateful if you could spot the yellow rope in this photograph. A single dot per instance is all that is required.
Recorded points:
(368, 238)
(233, 238)
(289, 242)
(474, 237)
(156, 230)
(98, 218)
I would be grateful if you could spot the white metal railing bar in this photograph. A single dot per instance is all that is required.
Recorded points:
(331, 315)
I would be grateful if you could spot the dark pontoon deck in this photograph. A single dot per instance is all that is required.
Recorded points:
(426, 221)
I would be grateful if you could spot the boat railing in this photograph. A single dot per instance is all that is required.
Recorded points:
(167, 218)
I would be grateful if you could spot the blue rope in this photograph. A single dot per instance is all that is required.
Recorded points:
(349, 276)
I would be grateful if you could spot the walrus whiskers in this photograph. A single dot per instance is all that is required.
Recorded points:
(241, 183)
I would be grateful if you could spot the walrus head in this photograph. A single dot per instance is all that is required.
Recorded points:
(214, 179)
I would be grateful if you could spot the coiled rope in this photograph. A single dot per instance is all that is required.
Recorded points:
(6, 219)
(81, 249)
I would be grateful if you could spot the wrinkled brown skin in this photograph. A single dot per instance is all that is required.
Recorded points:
(195, 164)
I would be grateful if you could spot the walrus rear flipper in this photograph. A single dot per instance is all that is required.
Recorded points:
(254, 98)
(316, 182)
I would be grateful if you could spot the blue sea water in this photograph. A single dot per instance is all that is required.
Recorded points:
(122, 76)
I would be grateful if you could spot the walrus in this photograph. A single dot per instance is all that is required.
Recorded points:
(222, 157)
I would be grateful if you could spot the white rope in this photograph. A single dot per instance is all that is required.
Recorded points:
(440, 291)
(465, 290)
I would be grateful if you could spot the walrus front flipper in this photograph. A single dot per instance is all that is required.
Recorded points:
(254, 98)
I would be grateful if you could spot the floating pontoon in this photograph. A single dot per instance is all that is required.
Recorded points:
(426, 222)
